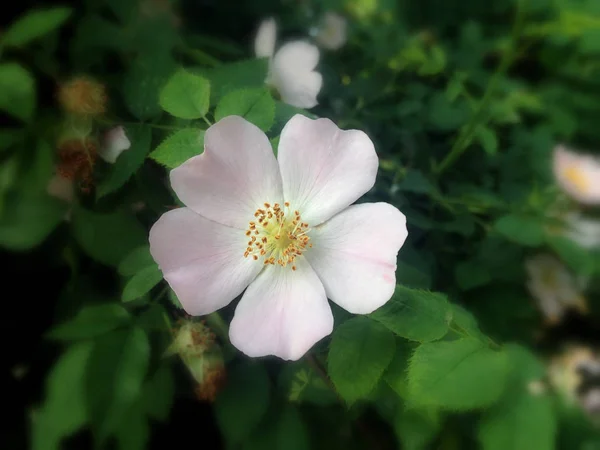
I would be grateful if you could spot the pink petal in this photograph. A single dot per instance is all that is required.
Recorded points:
(115, 142)
(354, 255)
(578, 175)
(264, 43)
(282, 313)
(293, 74)
(324, 169)
(202, 261)
(236, 174)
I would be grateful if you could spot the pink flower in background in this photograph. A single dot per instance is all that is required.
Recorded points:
(291, 68)
(115, 142)
(578, 175)
(282, 228)
(332, 33)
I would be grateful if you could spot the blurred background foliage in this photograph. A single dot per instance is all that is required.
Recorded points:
(465, 101)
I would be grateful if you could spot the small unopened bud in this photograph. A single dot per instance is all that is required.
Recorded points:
(82, 96)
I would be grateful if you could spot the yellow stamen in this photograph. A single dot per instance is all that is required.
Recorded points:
(277, 238)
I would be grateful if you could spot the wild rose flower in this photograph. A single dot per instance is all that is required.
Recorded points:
(114, 143)
(282, 228)
(578, 175)
(332, 33)
(584, 231)
(554, 288)
(291, 68)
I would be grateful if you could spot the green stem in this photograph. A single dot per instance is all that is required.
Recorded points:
(464, 138)
(216, 322)
(200, 56)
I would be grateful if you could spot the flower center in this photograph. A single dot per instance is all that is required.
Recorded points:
(278, 235)
(576, 176)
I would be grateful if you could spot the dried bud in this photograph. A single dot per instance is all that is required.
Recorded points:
(82, 96)
(76, 161)
(214, 380)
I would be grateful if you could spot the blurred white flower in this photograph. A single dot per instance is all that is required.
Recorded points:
(582, 230)
(578, 175)
(61, 188)
(565, 371)
(291, 68)
(281, 231)
(554, 287)
(114, 143)
(332, 33)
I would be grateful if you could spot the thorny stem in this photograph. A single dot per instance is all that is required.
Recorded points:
(464, 138)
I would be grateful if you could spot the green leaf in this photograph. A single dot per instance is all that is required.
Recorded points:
(28, 219)
(137, 260)
(142, 83)
(116, 372)
(107, 238)
(141, 283)
(416, 429)
(396, 374)
(579, 259)
(466, 322)
(524, 419)
(458, 375)
(255, 105)
(302, 384)
(410, 276)
(133, 432)
(185, 95)
(91, 321)
(360, 351)
(129, 161)
(35, 24)
(488, 139)
(524, 230)
(281, 429)
(64, 410)
(471, 274)
(415, 314)
(9, 137)
(158, 393)
(179, 147)
(447, 116)
(415, 181)
(17, 91)
(250, 73)
(243, 402)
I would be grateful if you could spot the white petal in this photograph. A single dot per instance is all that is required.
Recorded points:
(332, 33)
(354, 255)
(202, 261)
(324, 169)
(236, 174)
(282, 313)
(61, 188)
(264, 43)
(293, 74)
(115, 142)
(578, 175)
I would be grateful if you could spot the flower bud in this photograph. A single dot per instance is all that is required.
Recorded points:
(82, 96)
